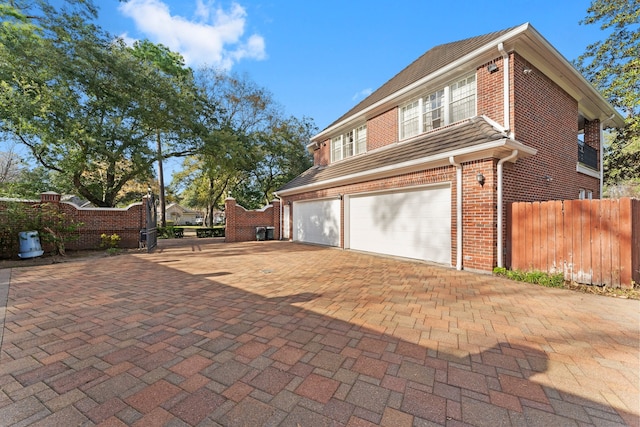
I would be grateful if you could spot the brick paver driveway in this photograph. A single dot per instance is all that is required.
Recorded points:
(274, 333)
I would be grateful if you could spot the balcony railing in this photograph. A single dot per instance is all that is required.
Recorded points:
(587, 155)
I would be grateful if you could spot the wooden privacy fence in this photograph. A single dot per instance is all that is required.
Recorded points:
(594, 242)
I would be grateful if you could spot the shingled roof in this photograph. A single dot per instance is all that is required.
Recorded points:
(466, 134)
(430, 62)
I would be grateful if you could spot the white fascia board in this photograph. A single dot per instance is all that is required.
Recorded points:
(452, 66)
(462, 155)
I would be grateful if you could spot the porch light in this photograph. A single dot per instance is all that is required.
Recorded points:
(492, 68)
(480, 178)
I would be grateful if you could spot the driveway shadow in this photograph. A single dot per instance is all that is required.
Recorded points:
(131, 339)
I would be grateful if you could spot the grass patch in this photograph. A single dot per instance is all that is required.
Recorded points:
(536, 277)
(557, 281)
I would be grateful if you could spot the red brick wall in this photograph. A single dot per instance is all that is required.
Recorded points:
(592, 137)
(479, 234)
(546, 118)
(241, 223)
(382, 130)
(490, 98)
(322, 156)
(126, 223)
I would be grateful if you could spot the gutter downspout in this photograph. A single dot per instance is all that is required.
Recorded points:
(458, 212)
(506, 109)
(513, 155)
(280, 225)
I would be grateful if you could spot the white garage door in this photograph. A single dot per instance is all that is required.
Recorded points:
(317, 221)
(410, 224)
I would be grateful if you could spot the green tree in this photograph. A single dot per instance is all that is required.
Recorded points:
(282, 155)
(237, 111)
(171, 65)
(82, 102)
(613, 67)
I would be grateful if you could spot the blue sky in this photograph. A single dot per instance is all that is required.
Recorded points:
(319, 58)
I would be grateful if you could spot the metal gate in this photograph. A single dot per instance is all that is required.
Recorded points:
(152, 223)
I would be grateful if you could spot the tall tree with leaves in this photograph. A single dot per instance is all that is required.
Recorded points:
(281, 156)
(81, 101)
(239, 110)
(613, 67)
(171, 65)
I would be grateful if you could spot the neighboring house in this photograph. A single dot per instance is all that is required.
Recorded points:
(181, 215)
(425, 166)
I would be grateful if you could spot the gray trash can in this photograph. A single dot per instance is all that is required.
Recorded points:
(270, 233)
(261, 233)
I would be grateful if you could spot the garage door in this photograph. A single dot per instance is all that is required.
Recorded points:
(317, 221)
(410, 224)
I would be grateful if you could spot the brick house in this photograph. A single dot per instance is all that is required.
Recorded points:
(424, 167)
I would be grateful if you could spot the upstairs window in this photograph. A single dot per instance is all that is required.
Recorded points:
(336, 148)
(463, 99)
(409, 120)
(349, 144)
(450, 104)
(433, 116)
(361, 139)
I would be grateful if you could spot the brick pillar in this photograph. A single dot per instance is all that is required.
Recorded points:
(276, 219)
(592, 133)
(230, 220)
(50, 197)
(592, 139)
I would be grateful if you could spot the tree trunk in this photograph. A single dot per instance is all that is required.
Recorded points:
(163, 219)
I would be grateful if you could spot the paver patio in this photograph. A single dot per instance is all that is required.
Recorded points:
(203, 333)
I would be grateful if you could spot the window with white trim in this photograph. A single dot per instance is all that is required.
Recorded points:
(410, 120)
(349, 144)
(433, 106)
(452, 103)
(361, 139)
(336, 148)
(585, 194)
(463, 99)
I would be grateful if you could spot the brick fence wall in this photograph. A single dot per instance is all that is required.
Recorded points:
(241, 223)
(125, 222)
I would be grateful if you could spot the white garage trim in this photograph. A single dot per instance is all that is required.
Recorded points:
(286, 221)
(317, 221)
(410, 223)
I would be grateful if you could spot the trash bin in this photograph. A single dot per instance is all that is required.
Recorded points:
(261, 233)
(29, 244)
(270, 233)
(143, 236)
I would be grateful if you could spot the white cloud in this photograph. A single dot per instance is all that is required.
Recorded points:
(362, 94)
(214, 36)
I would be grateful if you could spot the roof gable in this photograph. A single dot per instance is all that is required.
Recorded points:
(445, 58)
(431, 61)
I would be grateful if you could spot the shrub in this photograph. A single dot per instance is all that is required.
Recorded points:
(166, 232)
(109, 242)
